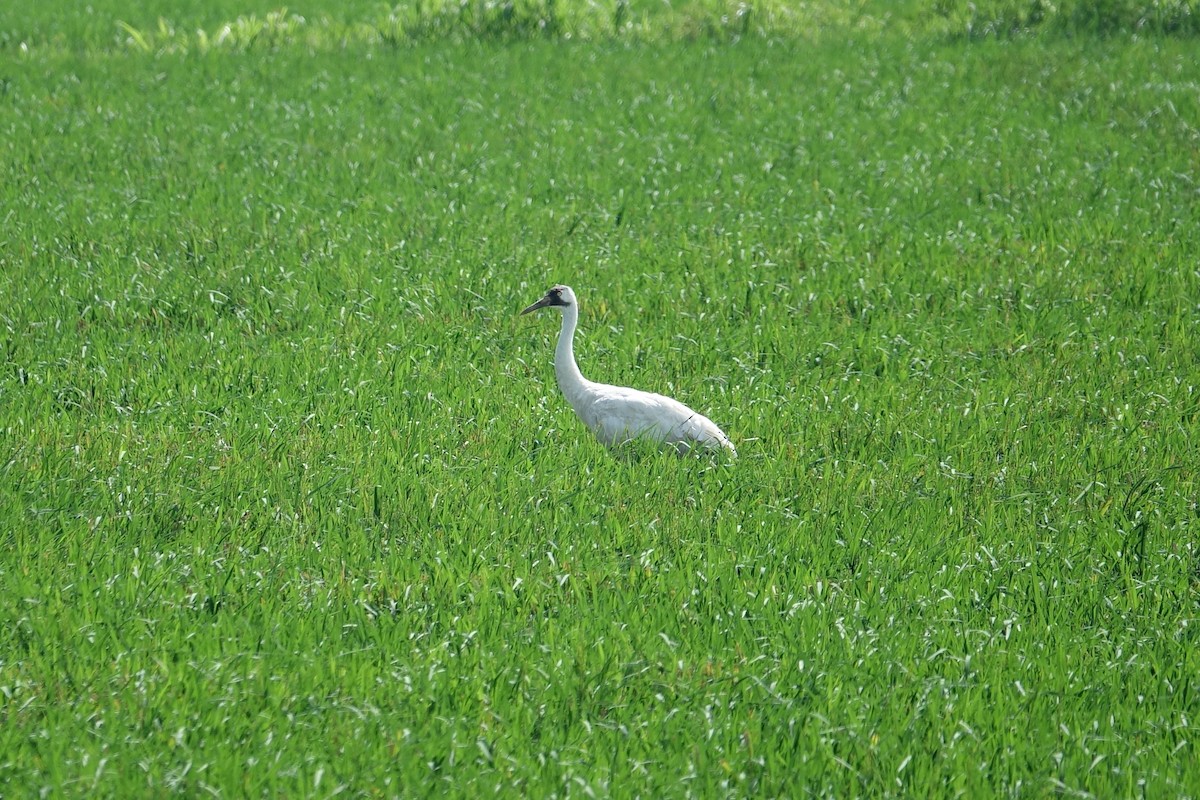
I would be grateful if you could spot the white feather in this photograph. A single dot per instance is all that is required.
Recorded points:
(616, 414)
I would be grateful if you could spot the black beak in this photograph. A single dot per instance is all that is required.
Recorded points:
(545, 301)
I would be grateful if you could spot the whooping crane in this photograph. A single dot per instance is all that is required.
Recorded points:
(617, 414)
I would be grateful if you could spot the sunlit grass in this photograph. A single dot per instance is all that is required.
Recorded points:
(226, 25)
(292, 506)
(191, 26)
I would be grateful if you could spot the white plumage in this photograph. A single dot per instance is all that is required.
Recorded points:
(617, 414)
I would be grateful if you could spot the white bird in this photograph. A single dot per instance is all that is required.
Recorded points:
(617, 414)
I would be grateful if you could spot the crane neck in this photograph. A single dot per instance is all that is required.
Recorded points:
(570, 379)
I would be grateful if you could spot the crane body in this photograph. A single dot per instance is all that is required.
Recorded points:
(616, 414)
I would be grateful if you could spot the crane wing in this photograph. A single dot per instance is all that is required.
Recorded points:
(617, 415)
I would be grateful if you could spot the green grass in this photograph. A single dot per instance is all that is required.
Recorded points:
(291, 506)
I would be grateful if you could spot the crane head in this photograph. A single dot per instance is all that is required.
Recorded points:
(560, 296)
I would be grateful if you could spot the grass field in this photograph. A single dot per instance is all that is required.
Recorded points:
(290, 504)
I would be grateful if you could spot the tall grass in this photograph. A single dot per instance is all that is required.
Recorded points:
(291, 505)
(198, 27)
(1005, 18)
